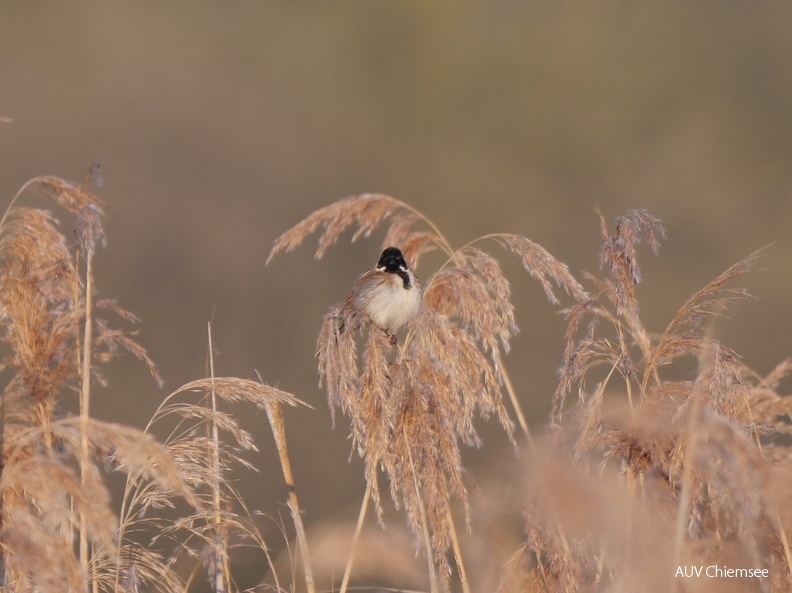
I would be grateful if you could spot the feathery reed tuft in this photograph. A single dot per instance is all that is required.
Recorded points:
(52, 492)
(685, 458)
(58, 528)
(651, 468)
(410, 407)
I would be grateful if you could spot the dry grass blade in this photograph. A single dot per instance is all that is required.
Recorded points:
(44, 303)
(673, 346)
(721, 383)
(424, 438)
(636, 225)
(128, 450)
(111, 343)
(737, 475)
(32, 248)
(71, 197)
(34, 559)
(372, 412)
(774, 377)
(365, 398)
(585, 349)
(138, 569)
(43, 299)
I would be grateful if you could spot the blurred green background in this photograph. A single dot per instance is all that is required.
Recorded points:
(220, 125)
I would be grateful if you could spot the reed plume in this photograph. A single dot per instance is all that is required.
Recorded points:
(202, 464)
(52, 492)
(689, 461)
(644, 466)
(410, 407)
(59, 530)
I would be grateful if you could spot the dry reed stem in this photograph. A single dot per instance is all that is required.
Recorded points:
(220, 548)
(355, 537)
(275, 416)
(463, 579)
(85, 395)
(89, 233)
(514, 400)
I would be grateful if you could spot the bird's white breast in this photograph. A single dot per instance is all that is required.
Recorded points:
(389, 304)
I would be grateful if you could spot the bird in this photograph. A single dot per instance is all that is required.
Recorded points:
(389, 293)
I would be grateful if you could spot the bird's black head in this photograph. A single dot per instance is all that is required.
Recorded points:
(392, 261)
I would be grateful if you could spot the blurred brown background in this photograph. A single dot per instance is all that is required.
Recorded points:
(220, 125)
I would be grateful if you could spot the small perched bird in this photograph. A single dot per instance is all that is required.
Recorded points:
(388, 293)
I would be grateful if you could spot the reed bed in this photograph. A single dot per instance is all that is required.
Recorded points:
(636, 474)
(58, 528)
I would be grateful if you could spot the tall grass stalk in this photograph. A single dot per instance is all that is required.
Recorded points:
(220, 548)
(460, 563)
(355, 537)
(513, 398)
(88, 245)
(85, 401)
